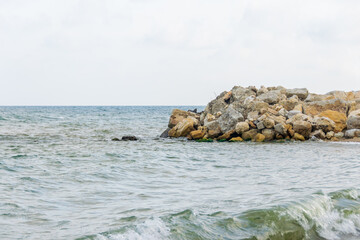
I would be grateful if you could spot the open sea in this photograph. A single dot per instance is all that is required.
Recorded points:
(61, 177)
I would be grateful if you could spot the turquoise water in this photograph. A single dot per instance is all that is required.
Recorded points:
(63, 178)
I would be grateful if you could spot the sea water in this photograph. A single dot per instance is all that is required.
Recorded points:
(63, 178)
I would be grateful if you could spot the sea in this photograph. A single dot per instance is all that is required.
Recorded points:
(62, 177)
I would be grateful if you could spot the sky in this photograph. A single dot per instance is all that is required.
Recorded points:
(161, 52)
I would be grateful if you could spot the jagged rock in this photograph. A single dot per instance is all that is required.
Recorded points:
(228, 135)
(330, 135)
(297, 117)
(290, 129)
(270, 97)
(290, 103)
(213, 125)
(239, 94)
(318, 134)
(165, 134)
(299, 108)
(278, 119)
(303, 128)
(269, 134)
(353, 121)
(281, 129)
(259, 137)
(302, 93)
(227, 96)
(268, 122)
(338, 118)
(293, 113)
(252, 116)
(283, 112)
(178, 115)
(352, 133)
(236, 139)
(248, 135)
(216, 105)
(298, 137)
(213, 133)
(229, 118)
(183, 128)
(315, 108)
(242, 127)
(324, 124)
(262, 90)
(354, 105)
(129, 138)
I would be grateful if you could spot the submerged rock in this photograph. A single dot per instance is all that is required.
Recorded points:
(129, 138)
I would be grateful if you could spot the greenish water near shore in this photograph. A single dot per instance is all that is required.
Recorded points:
(63, 178)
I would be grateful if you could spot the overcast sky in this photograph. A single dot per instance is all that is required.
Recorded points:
(169, 52)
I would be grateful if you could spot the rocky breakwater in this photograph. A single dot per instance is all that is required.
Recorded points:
(272, 113)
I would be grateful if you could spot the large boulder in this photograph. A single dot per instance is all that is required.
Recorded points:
(315, 108)
(281, 129)
(229, 118)
(324, 124)
(338, 118)
(312, 97)
(352, 133)
(183, 128)
(270, 97)
(269, 134)
(198, 134)
(318, 134)
(297, 117)
(290, 103)
(216, 105)
(259, 137)
(302, 127)
(239, 94)
(353, 121)
(301, 93)
(178, 115)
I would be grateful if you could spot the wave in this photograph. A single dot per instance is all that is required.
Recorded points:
(320, 216)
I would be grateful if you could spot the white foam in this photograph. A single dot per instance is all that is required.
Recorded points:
(151, 229)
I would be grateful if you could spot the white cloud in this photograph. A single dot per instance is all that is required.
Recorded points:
(75, 52)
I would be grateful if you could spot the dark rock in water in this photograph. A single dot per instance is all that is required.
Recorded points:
(115, 139)
(165, 134)
(129, 138)
(194, 111)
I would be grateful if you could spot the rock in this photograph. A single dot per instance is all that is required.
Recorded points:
(338, 118)
(216, 105)
(236, 139)
(255, 106)
(227, 96)
(303, 128)
(198, 134)
(318, 134)
(268, 122)
(298, 108)
(208, 118)
(228, 135)
(229, 119)
(183, 128)
(252, 124)
(339, 135)
(352, 133)
(299, 117)
(242, 127)
(312, 97)
(270, 97)
(315, 108)
(115, 139)
(213, 133)
(165, 134)
(239, 94)
(354, 105)
(252, 116)
(283, 112)
(353, 121)
(298, 137)
(262, 90)
(324, 124)
(290, 103)
(260, 125)
(269, 134)
(129, 138)
(259, 137)
(334, 139)
(248, 135)
(178, 115)
(330, 134)
(293, 113)
(281, 129)
(290, 129)
(301, 93)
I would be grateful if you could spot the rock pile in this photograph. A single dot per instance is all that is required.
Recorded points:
(271, 113)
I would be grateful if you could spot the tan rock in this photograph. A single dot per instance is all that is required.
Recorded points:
(338, 117)
(269, 134)
(290, 129)
(242, 127)
(227, 96)
(302, 127)
(236, 139)
(248, 135)
(259, 137)
(268, 122)
(198, 134)
(353, 121)
(252, 124)
(183, 128)
(315, 108)
(178, 115)
(330, 135)
(299, 108)
(213, 133)
(228, 135)
(324, 123)
(318, 134)
(298, 137)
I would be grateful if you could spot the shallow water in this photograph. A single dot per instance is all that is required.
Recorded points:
(63, 178)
